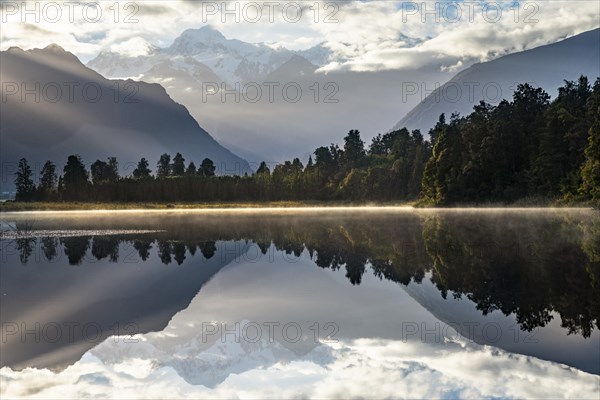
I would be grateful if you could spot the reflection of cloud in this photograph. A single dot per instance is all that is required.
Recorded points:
(360, 368)
(179, 362)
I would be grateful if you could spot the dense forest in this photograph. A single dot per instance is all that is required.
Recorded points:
(530, 147)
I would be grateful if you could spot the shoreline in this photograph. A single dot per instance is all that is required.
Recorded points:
(290, 206)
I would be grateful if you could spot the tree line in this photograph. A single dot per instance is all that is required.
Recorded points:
(527, 147)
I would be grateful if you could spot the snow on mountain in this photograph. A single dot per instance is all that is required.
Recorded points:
(232, 60)
(317, 55)
(117, 66)
(202, 359)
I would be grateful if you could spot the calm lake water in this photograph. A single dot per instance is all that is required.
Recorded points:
(298, 303)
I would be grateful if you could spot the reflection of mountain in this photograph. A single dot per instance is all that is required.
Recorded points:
(502, 331)
(532, 268)
(70, 109)
(207, 362)
(84, 286)
(370, 359)
(545, 67)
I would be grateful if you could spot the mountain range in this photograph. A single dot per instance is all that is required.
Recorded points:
(224, 83)
(259, 126)
(231, 59)
(261, 102)
(54, 106)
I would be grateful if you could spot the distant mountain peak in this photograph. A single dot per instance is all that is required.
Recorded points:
(53, 47)
(206, 34)
(54, 54)
(198, 41)
(231, 60)
(147, 123)
(300, 62)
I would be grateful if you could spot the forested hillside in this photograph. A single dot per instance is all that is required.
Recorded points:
(528, 147)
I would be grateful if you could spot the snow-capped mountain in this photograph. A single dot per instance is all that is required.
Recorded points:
(327, 107)
(234, 61)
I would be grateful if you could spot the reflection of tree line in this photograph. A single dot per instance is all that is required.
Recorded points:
(529, 266)
(107, 247)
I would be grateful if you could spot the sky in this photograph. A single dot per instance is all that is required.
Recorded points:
(362, 35)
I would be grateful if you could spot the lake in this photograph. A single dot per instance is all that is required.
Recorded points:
(371, 302)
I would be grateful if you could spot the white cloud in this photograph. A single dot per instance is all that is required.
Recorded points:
(367, 35)
(133, 47)
(374, 35)
(359, 368)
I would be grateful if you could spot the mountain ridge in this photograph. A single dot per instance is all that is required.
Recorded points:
(140, 117)
(233, 60)
(544, 66)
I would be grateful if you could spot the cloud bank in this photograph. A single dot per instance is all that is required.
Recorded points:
(360, 368)
(362, 35)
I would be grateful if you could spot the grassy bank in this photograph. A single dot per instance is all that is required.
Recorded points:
(72, 206)
(9, 206)
(529, 202)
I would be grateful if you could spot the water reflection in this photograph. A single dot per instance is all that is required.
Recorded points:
(532, 267)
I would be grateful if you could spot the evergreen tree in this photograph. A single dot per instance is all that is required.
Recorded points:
(378, 145)
(112, 172)
(23, 182)
(163, 167)
(297, 166)
(99, 172)
(352, 186)
(178, 166)
(75, 179)
(323, 158)
(590, 172)
(263, 169)
(48, 180)
(354, 149)
(440, 180)
(418, 166)
(191, 169)
(142, 170)
(207, 168)
(102, 171)
(563, 141)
